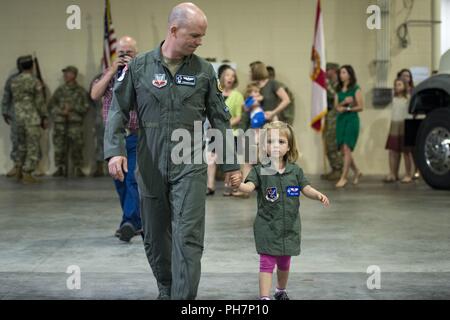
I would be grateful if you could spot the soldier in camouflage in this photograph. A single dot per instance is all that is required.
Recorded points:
(333, 154)
(30, 114)
(99, 132)
(68, 106)
(10, 118)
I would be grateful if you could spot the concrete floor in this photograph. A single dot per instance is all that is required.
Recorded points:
(402, 229)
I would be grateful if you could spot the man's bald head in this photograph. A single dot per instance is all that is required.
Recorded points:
(186, 13)
(127, 46)
(128, 41)
(187, 26)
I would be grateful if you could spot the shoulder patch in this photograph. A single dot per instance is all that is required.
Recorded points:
(219, 86)
(124, 72)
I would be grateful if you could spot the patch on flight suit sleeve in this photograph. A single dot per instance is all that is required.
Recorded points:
(219, 86)
(122, 76)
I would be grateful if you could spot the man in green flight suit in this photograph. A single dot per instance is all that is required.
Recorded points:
(170, 88)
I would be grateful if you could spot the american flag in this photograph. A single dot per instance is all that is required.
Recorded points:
(109, 38)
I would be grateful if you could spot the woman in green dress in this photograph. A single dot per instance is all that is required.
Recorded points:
(348, 103)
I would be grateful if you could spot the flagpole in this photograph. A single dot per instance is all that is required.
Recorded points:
(324, 147)
(318, 77)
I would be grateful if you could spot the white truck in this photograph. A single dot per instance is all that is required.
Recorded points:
(431, 135)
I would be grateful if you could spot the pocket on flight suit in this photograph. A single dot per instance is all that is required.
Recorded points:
(149, 106)
(193, 104)
(188, 209)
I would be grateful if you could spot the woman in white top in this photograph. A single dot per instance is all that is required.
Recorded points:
(396, 139)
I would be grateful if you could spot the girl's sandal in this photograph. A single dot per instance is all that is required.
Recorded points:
(407, 180)
(357, 177)
(341, 183)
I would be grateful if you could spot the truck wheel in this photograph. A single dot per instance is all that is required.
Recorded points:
(432, 152)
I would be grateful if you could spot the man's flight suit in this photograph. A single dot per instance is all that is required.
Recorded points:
(172, 195)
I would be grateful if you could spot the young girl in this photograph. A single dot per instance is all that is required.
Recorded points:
(395, 142)
(277, 224)
(234, 101)
(406, 75)
(255, 114)
(253, 105)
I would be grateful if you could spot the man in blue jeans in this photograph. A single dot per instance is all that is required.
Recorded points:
(127, 189)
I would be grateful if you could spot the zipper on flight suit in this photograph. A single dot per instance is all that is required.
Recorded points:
(169, 130)
(171, 107)
(284, 214)
(167, 71)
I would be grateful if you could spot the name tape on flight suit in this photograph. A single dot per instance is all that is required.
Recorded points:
(184, 80)
(293, 191)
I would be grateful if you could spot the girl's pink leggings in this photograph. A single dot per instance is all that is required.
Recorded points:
(267, 263)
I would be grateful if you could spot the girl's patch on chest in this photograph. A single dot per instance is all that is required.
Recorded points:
(272, 194)
(293, 191)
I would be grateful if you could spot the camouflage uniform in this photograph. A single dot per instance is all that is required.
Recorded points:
(29, 108)
(333, 154)
(68, 130)
(99, 131)
(99, 125)
(8, 109)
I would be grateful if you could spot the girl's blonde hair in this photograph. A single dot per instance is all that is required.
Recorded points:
(248, 91)
(285, 129)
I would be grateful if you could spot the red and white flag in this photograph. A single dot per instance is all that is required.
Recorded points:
(109, 38)
(318, 75)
